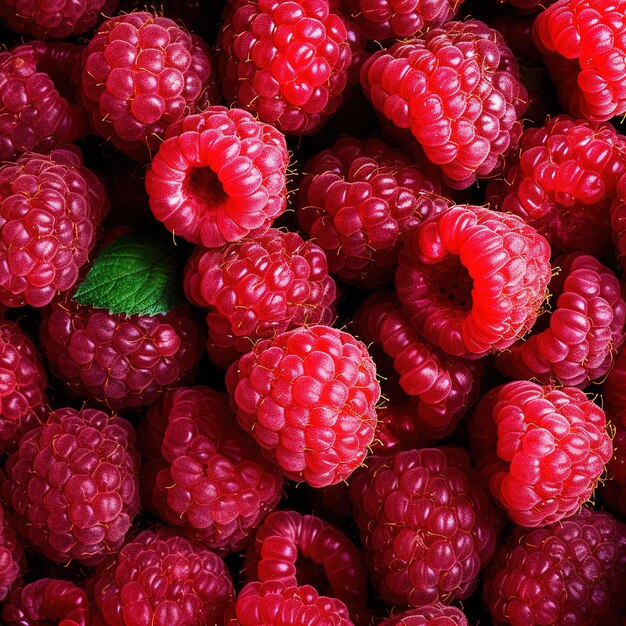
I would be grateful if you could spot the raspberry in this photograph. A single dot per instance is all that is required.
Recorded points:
(429, 615)
(42, 19)
(618, 220)
(219, 176)
(563, 182)
(45, 601)
(570, 573)
(426, 524)
(614, 389)
(583, 332)
(584, 47)
(258, 288)
(207, 479)
(459, 92)
(50, 209)
(287, 62)
(356, 201)
(541, 450)
(308, 397)
(398, 428)
(613, 490)
(73, 486)
(37, 111)
(161, 578)
(275, 603)
(141, 73)
(11, 555)
(472, 280)
(300, 549)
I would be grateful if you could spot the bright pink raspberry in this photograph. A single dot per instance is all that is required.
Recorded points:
(584, 47)
(540, 449)
(357, 200)
(426, 524)
(563, 181)
(163, 579)
(430, 615)
(613, 488)
(287, 62)
(141, 73)
(11, 554)
(577, 342)
(458, 90)
(308, 398)
(73, 485)
(203, 475)
(51, 207)
(257, 288)
(569, 574)
(472, 280)
(218, 177)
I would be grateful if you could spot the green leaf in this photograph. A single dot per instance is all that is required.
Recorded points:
(135, 275)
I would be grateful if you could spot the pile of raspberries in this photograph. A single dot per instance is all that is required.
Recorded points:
(313, 313)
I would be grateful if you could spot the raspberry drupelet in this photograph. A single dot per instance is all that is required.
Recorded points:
(11, 554)
(436, 614)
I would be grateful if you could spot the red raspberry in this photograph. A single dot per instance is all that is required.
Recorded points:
(275, 603)
(563, 181)
(37, 108)
(398, 428)
(258, 288)
(162, 579)
(207, 479)
(141, 73)
(583, 332)
(541, 450)
(584, 47)
(57, 20)
(426, 524)
(308, 397)
(569, 574)
(287, 62)
(472, 280)
(47, 601)
(459, 92)
(50, 209)
(73, 486)
(429, 615)
(219, 176)
(11, 555)
(614, 389)
(300, 549)
(613, 489)
(618, 220)
(356, 201)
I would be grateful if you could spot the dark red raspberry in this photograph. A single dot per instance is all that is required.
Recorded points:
(584, 46)
(472, 280)
(540, 449)
(398, 428)
(459, 92)
(618, 220)
(162, 579)
(219, 176)
(203, 474)
(258, 288)
(426, 524)
(613, 489)
(429, 615)
(569, 574)
(614, 389)
(37, 108)
(356, 201)
(50, 210)
(56, 20)
(287, 62)
(73, 485)
(275, 603)
(11, 556)
(140, 73)
(47, 601)
(563, 181)
(583, 331)
(308, 399)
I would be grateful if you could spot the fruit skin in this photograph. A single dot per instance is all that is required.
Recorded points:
(430, 615)
(493, 269)
(11, 554)
(308, 398)
(203, 475)
(160, 577)
(140, 73)
(286, 285)
(72, 484)
(540, 450)
(570, 573)
(413, 510)
(218, 177)
(458, 90)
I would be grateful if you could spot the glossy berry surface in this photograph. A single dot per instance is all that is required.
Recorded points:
(11, 555)
(429, 615)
